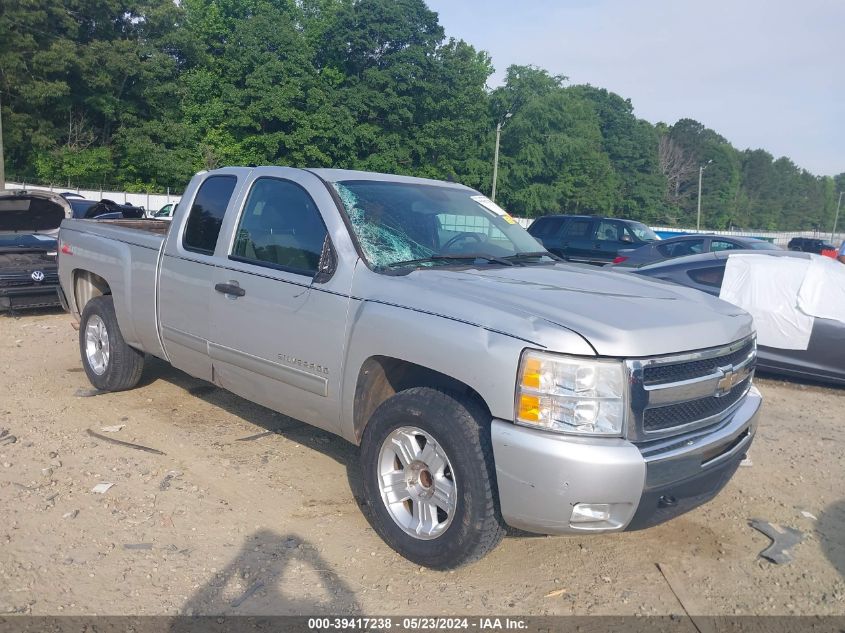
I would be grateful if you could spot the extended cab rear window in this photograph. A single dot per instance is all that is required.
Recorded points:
(206, 214)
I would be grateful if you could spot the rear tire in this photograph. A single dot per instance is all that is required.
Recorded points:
(428, 475)
(110, 364)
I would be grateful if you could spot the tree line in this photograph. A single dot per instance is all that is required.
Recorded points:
(144, 94)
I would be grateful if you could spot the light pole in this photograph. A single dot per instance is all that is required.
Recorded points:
(2, 158)
(701, 169)
(496, 154)
(836, 217)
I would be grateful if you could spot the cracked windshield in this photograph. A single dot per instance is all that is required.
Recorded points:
(409, 224)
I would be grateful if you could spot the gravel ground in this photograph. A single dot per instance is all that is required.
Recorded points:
(251, 512)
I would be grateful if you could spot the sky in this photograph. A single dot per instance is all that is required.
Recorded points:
(762, 73)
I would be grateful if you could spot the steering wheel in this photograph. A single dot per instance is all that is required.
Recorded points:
(478, 237)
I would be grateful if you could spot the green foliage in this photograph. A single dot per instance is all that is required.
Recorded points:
(632, 148)
(553, 161)
(91, 165)
(143, 94)
(749, 189)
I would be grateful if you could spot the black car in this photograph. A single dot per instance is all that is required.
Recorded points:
(585, 238)
(684, 245)
(29, 224)
(809, 245)
(103, 209)
(823, 359)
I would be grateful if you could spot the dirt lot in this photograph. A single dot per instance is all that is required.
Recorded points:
(274, 525)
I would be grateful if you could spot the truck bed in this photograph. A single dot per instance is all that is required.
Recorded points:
(144, 233)
(125, 254)
(150, 225)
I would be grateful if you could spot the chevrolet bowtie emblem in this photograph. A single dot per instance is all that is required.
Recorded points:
(731, 377)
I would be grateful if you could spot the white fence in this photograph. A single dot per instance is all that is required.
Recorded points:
(150, 201)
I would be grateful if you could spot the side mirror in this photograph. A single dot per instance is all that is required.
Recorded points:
(627, 239)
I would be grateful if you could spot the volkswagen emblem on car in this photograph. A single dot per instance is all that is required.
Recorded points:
(37, 275)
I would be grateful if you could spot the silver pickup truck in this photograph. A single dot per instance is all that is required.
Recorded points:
(486, 382)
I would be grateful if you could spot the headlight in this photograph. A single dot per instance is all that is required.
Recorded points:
(570, 395)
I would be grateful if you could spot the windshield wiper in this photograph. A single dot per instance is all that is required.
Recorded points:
(457, 257)
(521, 256)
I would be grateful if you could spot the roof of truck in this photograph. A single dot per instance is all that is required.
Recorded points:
(342, 175)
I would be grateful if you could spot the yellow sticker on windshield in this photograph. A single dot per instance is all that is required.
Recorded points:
(507, 218)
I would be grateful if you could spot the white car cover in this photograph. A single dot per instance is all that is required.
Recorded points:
(822, 294)
(785, 295)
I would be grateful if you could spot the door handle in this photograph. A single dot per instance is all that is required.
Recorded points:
(233, 289)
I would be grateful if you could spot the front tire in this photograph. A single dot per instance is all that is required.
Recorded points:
(428, 475)
(110, 364)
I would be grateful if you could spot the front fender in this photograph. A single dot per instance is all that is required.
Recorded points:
(484, 360)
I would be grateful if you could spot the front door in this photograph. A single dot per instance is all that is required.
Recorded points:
(278, 335)
(608, 241)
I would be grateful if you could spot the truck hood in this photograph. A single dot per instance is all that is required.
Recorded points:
(618, 315)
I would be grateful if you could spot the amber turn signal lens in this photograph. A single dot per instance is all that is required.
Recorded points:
(531, 373)
(529, 408)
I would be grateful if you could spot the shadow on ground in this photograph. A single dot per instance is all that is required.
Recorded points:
(31, 312)
(831, 528)
(271, 575)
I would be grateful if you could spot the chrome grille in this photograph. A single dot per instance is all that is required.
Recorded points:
(683, 413)
(670, 395)
(25, 279)
(675, 372)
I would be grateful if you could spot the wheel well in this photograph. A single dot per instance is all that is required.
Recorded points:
(382, 376)
(86, 286)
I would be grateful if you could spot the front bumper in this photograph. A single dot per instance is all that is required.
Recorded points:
(34, 296)
(542, 476)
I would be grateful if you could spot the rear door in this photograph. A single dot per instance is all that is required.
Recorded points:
(576, 239)
(279, 327)
(682, 247)
(187, 273)
(720, 244)
(547, 231)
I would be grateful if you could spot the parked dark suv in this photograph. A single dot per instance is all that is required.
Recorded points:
(810, 245)
(584, 238)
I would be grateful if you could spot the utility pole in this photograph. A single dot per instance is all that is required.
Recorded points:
(2, 158)
(701, 169)
(496, 155)
(835, 219)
